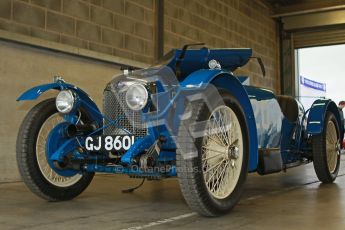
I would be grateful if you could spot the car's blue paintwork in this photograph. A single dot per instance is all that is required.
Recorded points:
(66, 147)
(233, 85)
(59, 146)
(131, 171)
(220, 79)
(268, 116)
(35, 92)
(83, 98)
(317, 114)
(55, 141)
(267, 127)
(196, 59)
(137, 148)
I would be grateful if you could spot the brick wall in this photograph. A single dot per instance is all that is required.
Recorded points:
(227, 23)
(125, 28)
(117, 27)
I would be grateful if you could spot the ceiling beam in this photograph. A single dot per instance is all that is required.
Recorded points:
(317, 10)
(314, 19)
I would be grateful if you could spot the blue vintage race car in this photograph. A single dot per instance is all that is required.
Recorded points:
(188, 117)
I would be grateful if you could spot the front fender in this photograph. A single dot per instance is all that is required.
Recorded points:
(317, 115)
(225, 80)
(85, 101)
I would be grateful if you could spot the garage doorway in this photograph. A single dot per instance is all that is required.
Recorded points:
(320, 73)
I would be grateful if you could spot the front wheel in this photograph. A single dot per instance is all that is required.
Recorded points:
(326, 150)
(213, 180)
(40, 176)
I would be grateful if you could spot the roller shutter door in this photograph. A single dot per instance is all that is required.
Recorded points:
(319, 37)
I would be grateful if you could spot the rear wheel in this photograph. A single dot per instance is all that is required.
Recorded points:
(40, 175)
(326, 150)
(212, 182)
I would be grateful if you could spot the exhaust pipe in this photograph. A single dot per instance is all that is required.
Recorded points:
(80, 130)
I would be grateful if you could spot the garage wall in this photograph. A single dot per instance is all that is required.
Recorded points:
(115, 31)
(117, 27)
(25, 67)
(227, 23)
(125, 28)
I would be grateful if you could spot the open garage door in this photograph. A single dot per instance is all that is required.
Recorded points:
(307, 29)
(321, 73)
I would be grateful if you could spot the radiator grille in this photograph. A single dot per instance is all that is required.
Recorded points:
(115, 107)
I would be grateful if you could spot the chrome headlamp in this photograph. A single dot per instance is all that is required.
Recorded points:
(65, 101)
(136, 96)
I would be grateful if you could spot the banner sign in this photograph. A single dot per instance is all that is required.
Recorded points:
(313, 84)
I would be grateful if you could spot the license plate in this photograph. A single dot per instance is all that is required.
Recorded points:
(109, 142)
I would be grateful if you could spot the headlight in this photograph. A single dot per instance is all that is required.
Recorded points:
(65, 101)
(136, 96)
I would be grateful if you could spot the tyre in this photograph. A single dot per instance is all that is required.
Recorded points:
(40, 176)
(326, 150)
(212, 182)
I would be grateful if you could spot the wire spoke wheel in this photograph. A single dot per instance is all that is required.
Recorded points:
(326, 150)
(212, 182)
(41, 154)
(332, 149)
(40, 136)
(222, 152)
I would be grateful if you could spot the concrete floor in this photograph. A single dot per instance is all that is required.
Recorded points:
(292, 200)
